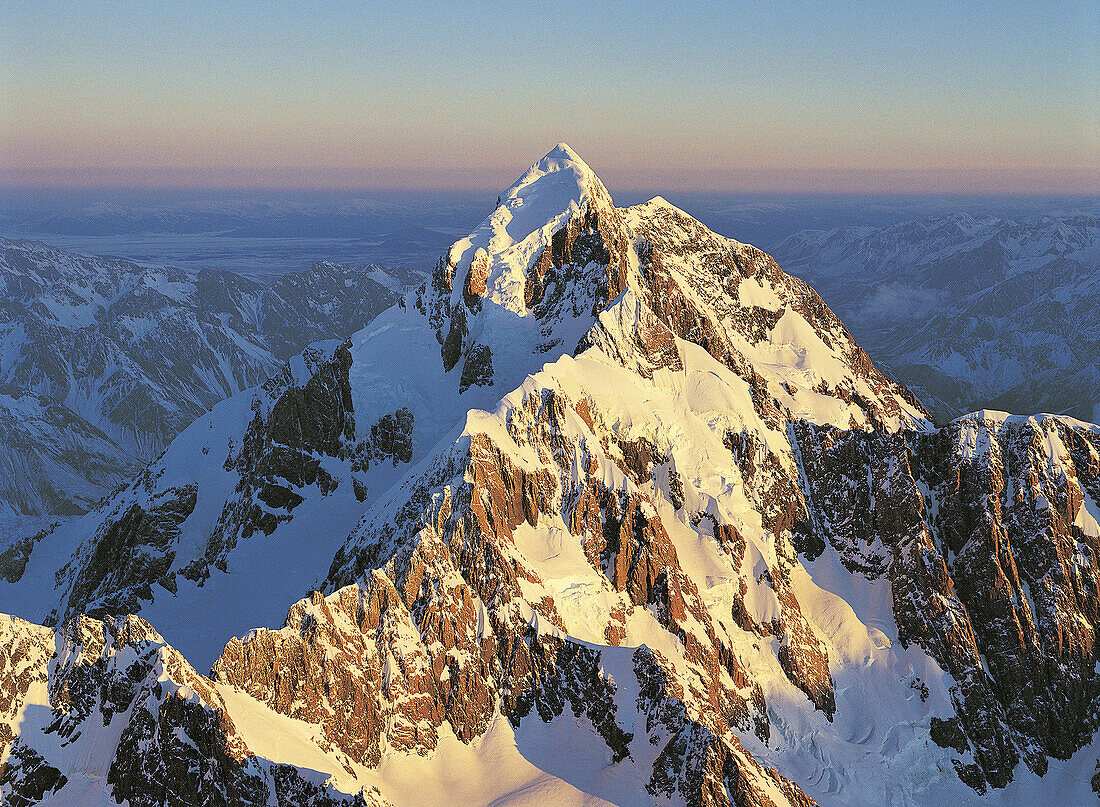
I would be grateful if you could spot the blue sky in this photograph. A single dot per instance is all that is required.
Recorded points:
(887, 97)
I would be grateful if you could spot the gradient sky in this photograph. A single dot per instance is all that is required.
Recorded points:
(913, 97)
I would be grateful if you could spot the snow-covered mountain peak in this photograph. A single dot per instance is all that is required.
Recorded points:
(557, 265)
(658, 203)
(496, 258)
(531, 278)
(561, 157)
(657, 529)
(683, 223)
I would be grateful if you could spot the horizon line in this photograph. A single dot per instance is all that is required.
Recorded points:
(946, 182)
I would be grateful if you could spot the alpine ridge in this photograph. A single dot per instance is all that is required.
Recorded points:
(610, 510)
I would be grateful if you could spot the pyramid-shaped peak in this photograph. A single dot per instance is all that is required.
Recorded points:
(564, 152)
(571, 174)
(558, 189)
(660, 202)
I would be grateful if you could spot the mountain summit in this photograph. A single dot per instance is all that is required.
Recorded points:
(499, 255)
(611, 510)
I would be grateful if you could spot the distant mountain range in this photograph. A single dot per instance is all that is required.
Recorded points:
(103, 362)
(972, 312)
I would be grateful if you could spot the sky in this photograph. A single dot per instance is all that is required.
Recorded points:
(786, 97)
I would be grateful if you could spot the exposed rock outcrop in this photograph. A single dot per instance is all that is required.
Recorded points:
(454, 609)
(110, 709)
(986, 530)
(107, 361)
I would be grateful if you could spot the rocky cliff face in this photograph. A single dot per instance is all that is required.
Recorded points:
(987, 531)
(458, 623)
(618, 495)
(127, 718)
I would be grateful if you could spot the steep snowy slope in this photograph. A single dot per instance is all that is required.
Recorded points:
(613, 510)
(129, 355)
(973, 312)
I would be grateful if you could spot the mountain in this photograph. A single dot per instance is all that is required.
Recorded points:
(103, 362)
(611, 510)
(54, 461)
(972, 312)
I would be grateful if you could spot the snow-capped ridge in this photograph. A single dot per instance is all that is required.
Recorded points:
(970, 311)
(560, 158)
(128, 355)
(1002, 418)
